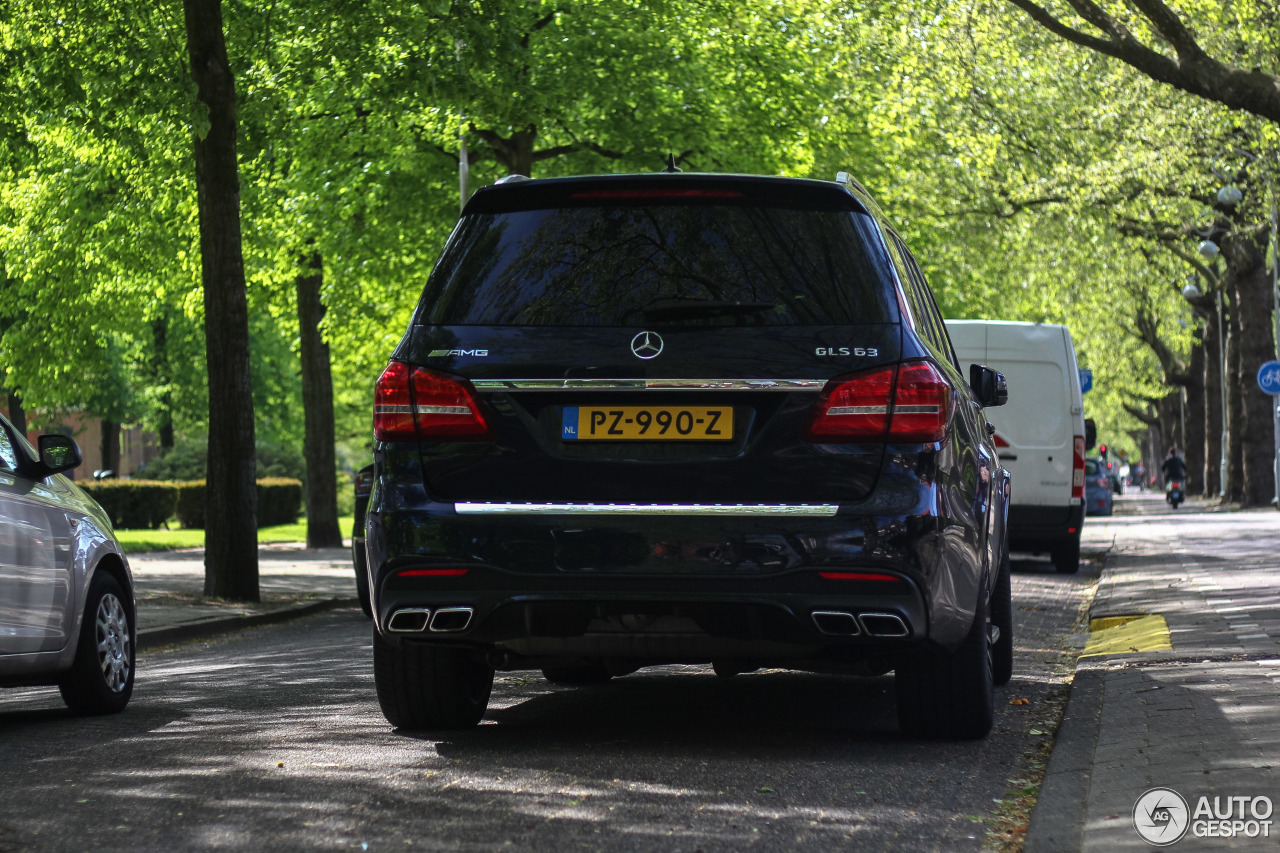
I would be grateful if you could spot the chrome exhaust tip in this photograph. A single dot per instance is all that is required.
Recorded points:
(884, 625)
(451, 619)
(836, 623)
(410, 620)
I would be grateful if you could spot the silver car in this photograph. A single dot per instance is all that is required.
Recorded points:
(66, 594)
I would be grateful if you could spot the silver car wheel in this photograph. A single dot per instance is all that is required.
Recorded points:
(115, 653)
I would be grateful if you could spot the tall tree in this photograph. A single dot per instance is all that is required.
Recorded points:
(1141, 33)
(317, 401)
(231, 544)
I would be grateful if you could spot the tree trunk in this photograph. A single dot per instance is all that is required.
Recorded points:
(162, 376)
(110, 447)
(231, 500)
(165, 431)
(317, 405)
(1194, 445)
(1212, 410)
(1251, 285)
(17, 414)
(1235, 462)
(1169, 410)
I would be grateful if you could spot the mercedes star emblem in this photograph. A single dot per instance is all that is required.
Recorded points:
(647, 345)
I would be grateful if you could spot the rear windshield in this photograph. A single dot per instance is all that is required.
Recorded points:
(661, 264)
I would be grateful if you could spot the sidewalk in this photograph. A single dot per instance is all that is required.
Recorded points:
(1195, 710)
(292, 580)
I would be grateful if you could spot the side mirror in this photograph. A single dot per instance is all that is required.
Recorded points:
(58, 453)
(1090, 434)
(989, 386)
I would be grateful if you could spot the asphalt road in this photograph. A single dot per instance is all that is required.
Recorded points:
(272, 739)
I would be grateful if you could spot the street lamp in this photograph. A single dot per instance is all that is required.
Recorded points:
(1192, 292)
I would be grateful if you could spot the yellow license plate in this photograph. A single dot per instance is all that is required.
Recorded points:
(648, 423)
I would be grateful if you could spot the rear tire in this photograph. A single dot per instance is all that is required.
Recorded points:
(100, 680)
(430, 687)
(949, 695)
(577, 675)
(1002, 619)
(1066, 556)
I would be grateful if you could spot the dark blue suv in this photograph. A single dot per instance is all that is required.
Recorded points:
(684, 418)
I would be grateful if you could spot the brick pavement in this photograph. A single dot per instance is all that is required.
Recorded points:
(292, 580)
(1202, 719)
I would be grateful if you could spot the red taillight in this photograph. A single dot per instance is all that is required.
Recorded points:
(411, 403)
(656, 193)
(1000, 442)
(1077, 469)
(911, 402)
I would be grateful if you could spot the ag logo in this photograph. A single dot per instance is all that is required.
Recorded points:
(1161, 816)
(646, 345)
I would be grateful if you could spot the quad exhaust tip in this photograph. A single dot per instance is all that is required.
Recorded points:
(451, 619)
(836, 622)
(884, 625)
(415, 620)
(411, 620)
(841, 623)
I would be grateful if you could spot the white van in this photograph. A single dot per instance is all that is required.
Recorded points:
(1039, 433)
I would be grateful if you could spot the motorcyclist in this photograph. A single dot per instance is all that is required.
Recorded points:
(1173, 467)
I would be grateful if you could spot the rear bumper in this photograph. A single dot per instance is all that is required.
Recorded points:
(673, 588)
(1034, 527)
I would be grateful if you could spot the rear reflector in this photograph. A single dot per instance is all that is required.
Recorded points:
(412, 403)
(432, 573)
(1077, 468)
(910, 402)
(859, 576)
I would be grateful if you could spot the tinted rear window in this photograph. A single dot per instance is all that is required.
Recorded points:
(660, 264)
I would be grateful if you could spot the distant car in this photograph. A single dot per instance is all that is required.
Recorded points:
(67, 608)
(1097, 488)
(364, 485)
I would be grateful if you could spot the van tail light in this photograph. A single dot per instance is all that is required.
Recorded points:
(907, 403)
(1077, 469)
(412, 403)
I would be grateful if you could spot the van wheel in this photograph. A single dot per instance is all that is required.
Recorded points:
(587, 673)
(1002, 620)
(949, 695)
(1066, 556)
(430, 687)
(100, 680)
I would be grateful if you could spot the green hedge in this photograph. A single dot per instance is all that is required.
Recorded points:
(279, 502)
(137, 504)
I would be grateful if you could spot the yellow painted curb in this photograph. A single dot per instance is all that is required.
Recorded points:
(1119, 635)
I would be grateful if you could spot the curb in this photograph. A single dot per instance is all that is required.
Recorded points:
(155, 637)
(1057, 823)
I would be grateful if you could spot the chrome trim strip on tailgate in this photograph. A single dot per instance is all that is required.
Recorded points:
(821, 510)
(648, 384)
